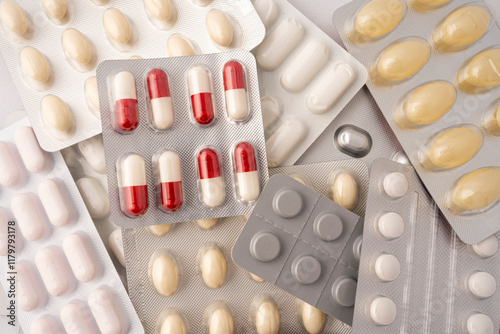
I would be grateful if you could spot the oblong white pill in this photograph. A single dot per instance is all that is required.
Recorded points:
(115, 242)
(54, 202)
(34, 157)
(10, 173)
(76, 319)
(45, 325)
(80, 257)
(279, 43)
(53, 271)
(29, 295)
(330, 87)
(95, 197)
(304, 67)
(92, 150)
(28, 216)
(284, 140)
(106, 311)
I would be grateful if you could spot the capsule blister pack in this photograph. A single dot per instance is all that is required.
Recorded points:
(50, 247)
(305, 244)
(415, 275)
(433, 72)
(183, 137)
(52, 49)
(306, 80)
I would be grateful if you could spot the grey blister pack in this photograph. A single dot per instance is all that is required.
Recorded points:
(415, 275)
(433, 72)
(299, 240)
(183, 137)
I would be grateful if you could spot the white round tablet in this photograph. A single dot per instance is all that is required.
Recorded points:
(387, 267)
(391, 225)
(479, 324)
(486, 248)
(383, 311)
(395, 185)
(482, 284)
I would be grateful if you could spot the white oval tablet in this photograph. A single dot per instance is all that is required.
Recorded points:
(28, 216)
(92, 96)
(284, 140)
(78, 50)
(34, 157)
(479, 323)
(115, 242)
(95, 197)
(118, 29)
(482, 284)
(77, 319)
(92, 150)
(57, 118)
(54, 202)
(387, 267)
(10, 171)
(37, 71)
(382, 311)
(486, 248)
(53, 270)
(395, 185)
(107, 312)
(219, 27)
(80, 257)
(391, 225)
(29, 295)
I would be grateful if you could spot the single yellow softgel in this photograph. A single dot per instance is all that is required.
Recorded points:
(481, 73)
(492, 120)
(425, 5)
(475, 191)
(399, 62)
(452, 148)
(376, 19)
(461, 28)
(426, 104)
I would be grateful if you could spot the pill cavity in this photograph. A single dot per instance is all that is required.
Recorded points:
(220, 28)
(35, 159)
(80, 257)
(77, 318)
(306, 269)
(266, 316)
(399, 61)
(56, 10)
(395, 185)
(479, 323)
(95, 197)
(78, 51)
(219, 318)
(491, 119)
(345, 190)
(210, 182)
(15, 24)
(287, 203)
(265, 246)
(107, 312)
(382, 311)
(426, 5)
(178, 46)
(391, 225)
(55, 202)
(207, 224)
(279, 44)
(213, 265)
(36, 69)
(235, 90)
(53, 270)
(161, 115)
(172, 321)
(268, 11)
(343, 291)
(247, 175)
(126, 112)
(328, 226)
(115, 242)
(353, 141)
(386, 267)
(92, 150)
(200, 90)
(28, 217)
(119, 31)
(57, 118)
(160, 230)
(161, 13)
(271, 111)
(92, 96)
(164, 272)
(486, 248)
(312, 319)
(30, 295)
(133, 185)
(284, 141)
(480, 74)
(482, 284)
(45, 325)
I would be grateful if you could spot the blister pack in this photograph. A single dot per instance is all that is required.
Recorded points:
(415, 275)
(306, 80)
(183, 137)
(433, 69)
(52, 49)
(305, 244)
(53, 257)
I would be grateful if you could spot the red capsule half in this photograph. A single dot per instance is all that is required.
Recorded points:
(200, 89)
(169, 170)
(235, 91)
(162, 110)
(134, 189)
(125, 96)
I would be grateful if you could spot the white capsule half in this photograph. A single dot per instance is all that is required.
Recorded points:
(53, 270)
(124, 86)
(80, 257)
(284, 140)
(34, 157)
(213, 191)
(115, 242)
(248, 185)
(107, 312)
(95, 197)
(10, 171)
(77, 319)
(169, 166)
(28, 216)
(29, 295)
(54, 202)
(92, 150)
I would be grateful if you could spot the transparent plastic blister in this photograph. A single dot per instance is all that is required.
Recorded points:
(65, 277)
(441, 285)
(72, 37)
(297, 63)
(434, 76)
(217, 171)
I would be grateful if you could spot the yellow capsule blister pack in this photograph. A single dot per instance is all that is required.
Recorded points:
(434, 68)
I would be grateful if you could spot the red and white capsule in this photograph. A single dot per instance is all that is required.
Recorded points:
(247, 176)
(200, 89)
(133, 186)
(169, 171)
(235, 91)
(211, 183)
(125, 98)
(162, 110)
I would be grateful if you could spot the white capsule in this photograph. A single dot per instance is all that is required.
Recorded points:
(107, 312)
(57, 119)
(124, 86)
(92, 150)
(54, 202)
(29, 293)
(271, 111)
(4, 234)
(28, 216)
(34, 157)
(53, 270)
(45, 325)
(279, 44)
(162, 109)
(115, 242)
(133, 171)
(169, 166)
(77, 319)
(330, 87)
(10, 171)
(95, 197)
(268, 11)
(36, 69)
(304, 67)
(92, 96)
(78, 51)
(80, 257)
(199, 81)
(118, 29)
(284, 140)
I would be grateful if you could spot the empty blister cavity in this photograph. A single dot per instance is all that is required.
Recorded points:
(353, 141)
(57, 119)
(178, 45)
(35, 159)
(246, 173)
(160, 230)
(279, 44)
(271, 111)
(167, 169)
(344, 189)
(390, 225)
(212, 265)
(425, 104)
(235, 91)
(199, 79)
(92, 96)
(92, 150)
(222, 29)
(132, 181)
(171, 321)
(29, 217)
(491, 118)
(80, 257)
(399, 61)
(45, 325)
(481, 73)
(10, 170)
(95, 197)
(284, 140)
(77, 318)
(395, 185)
(306, 269)
(29, 295)
(381, 310)
(385, 267)
(481, 285)
(265, 246)
(79, 53)
(312, 320)
(288, 203)
(36, 69)
(265, 315)
(119, 31)
(426, 5)
(451, 147)
(115, 242)
(161, 13)
(268, 11)
(462, 28)
(107, 311)
(475, 192)
(218, 318)
(343, 291)
(165, 272)
(123, 105)
(486, 248)
(55, 202)
(16, 25)
(58, 12)
(160, 107)
(479, 323)
(328, 226)
(374, 20)
(53, 269)
(211, 187)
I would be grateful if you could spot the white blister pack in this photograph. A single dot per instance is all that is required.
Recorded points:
(415, 275)
(433, 69)
(57, 265)
(53, 48)
(306, 79)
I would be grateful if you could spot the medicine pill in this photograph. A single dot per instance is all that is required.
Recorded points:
(35, 159)
(479, 323)
(207, 224)
(80, 257)
(306, 269)
(29, 295)
(486, 248)
(387, 267)
(45, 325)
(211, 183)
(235, 90)
(165, 273)
(480, 74)
(491, 120)
(271, 111)
(221, 322)
(425, 5)
(161, 13)
(279, 44)
(284, 140)
(56, 10)
(77, 319)
(37, 70)
(115, 242)
(391, 225)
(78, 51)
(95, 197)
(200, 89)
(482, 284)
(178, 46)
(213, 266)
(118, 29)
(170, 181)
(28, 217)
(353, 141)
(107, 313)
(395, 185)
(220, 28)
(55, 203)
(53, 270)
(162, 110)
(133, 185)
(247, 175)
(57, 119)
(92, 96)
(345, 190)
(10, 171)
(126, 115)
(173, 324)
(267, 318)
(268, 11)
(14, 20)
(313, 319)
(160, 230)
(382, 311)
(343, 291)
(92, 150)
(265, 246)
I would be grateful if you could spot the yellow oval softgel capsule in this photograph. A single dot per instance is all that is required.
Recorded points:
(452, 148)
(492, 120)
(13, 17)
(173, 324)
(178, 46)
(165, 275)
(345, 191)
(426, 104)
(36, 67)
(376, 19)
(399, 62)
(117, 26)
(481, 73)
(475, 191)
(461, 28)
(313, 319)
(425, 5)
(56, 9)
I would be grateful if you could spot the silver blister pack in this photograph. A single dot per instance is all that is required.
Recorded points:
(65, 290)
(185, 137)
(147, 37)
(415, 275)
(455, 146)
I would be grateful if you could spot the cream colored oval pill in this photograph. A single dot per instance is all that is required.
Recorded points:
(54, 202)
(107, 312)
(80, 257)
(35, 66)
(92, 96)
(267, 318)
(56, 9)
(52, 268)
(117, 26)
(159, 9)
(13, 17)
(213, 267)
(77, 47)
(425, 5)
(178, 46)
(34, 157)
(160, 230)
(219, 27)
(313, 319)
(56, 114)
(173, 324)
(207, 224)
(221, 322)
(165, 275)
(475, 191)
(95, 197)
(345, 191)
